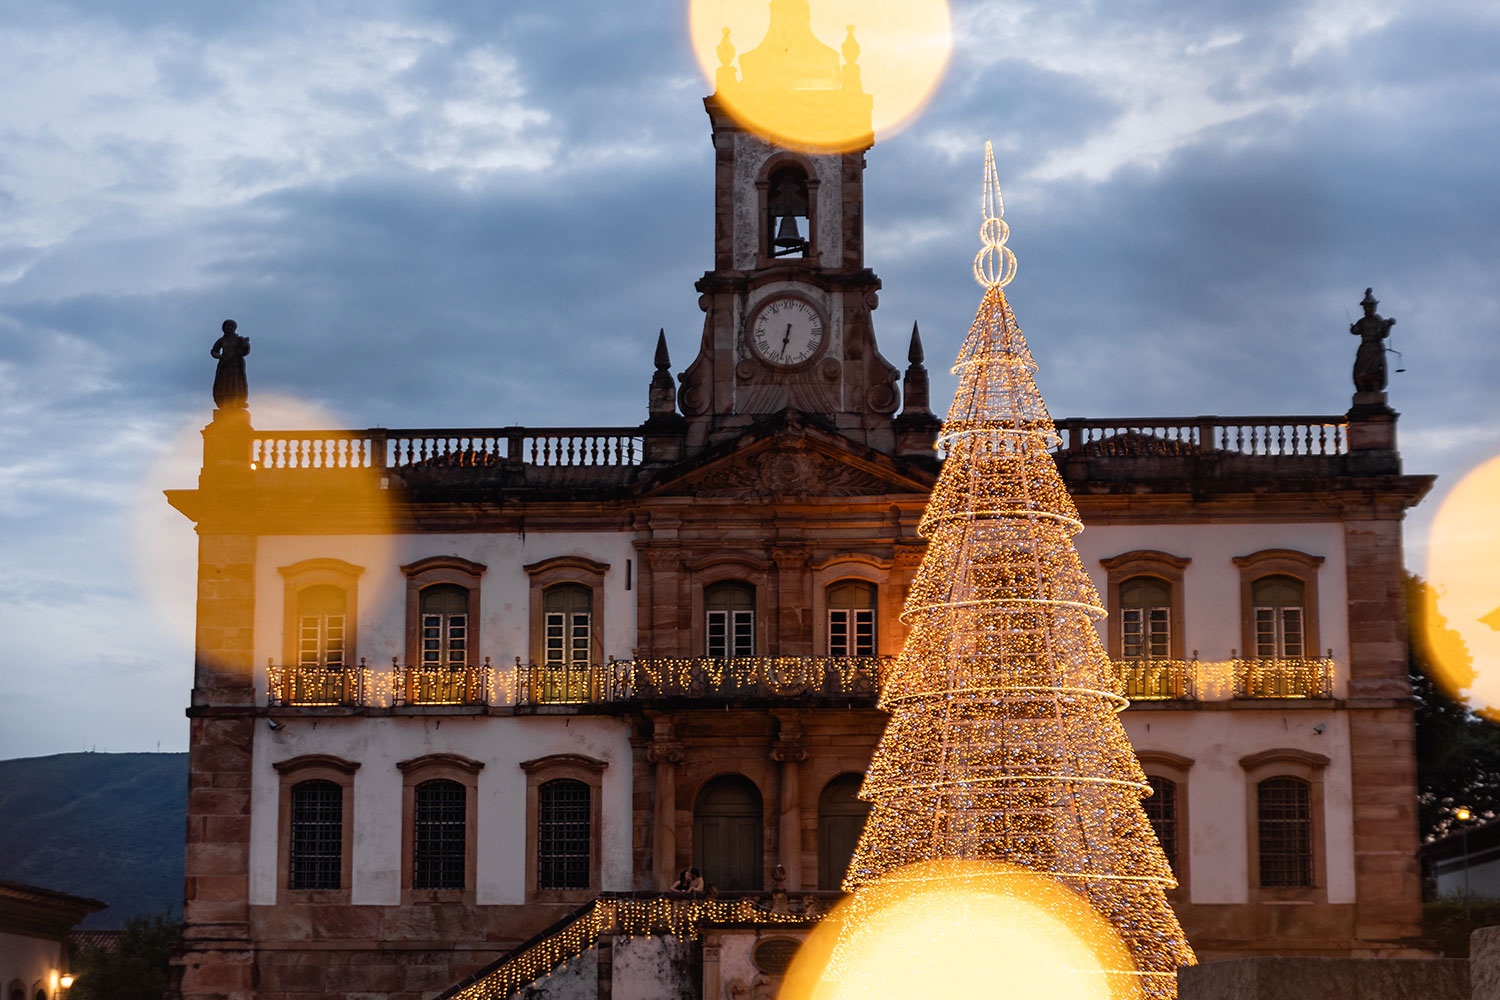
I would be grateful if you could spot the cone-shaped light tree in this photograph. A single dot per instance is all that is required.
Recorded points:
(1004, 742)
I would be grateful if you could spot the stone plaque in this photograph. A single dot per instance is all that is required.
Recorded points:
(773, 955)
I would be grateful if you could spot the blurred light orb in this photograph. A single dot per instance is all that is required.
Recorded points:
(822, 75)
(962, 930)
(1463, 552)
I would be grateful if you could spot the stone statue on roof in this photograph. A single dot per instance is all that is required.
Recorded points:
(1369, 361)
(230, 388)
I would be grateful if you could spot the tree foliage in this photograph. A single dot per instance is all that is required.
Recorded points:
(1458, 753)
(137, 968)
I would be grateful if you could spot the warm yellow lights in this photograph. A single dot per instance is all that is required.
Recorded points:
(1463, 637)
(1003, 743)
(958, 930)
(1462, 814)
(66, 980)
(823, 75)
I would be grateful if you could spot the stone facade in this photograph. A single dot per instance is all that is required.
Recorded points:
(781, 481)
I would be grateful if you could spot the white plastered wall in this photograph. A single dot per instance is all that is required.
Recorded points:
(505, 589)
(1217, 798)
(499, 743)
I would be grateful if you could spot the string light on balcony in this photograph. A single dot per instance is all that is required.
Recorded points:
(659, 916)
(1003, 743)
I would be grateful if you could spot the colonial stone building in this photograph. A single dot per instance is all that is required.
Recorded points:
(454, 687)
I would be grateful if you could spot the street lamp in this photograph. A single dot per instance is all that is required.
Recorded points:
(66, 981)
(1463, 815)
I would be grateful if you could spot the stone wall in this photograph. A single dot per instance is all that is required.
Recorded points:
(1324, 978)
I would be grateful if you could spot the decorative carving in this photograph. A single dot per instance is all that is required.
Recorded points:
(773, 956)
(784, 472)
(664, 752)
(881, 398)
(788, 751)
(830, 369)
(663, 395)
(762, 987)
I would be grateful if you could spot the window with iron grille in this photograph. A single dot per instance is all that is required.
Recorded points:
(1161, 810)
(445, 627)
(320, 627)
(1145, 619)
(439, 831)
(1278, 603)
(315, 856)
(1284, 815)
(563, 836)
(851, 619)
(729, 625)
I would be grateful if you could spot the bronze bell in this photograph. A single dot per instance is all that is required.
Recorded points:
(787, 237)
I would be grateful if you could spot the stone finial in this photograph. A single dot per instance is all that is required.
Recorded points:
(230, 388)
(915, 391)
(663, 396)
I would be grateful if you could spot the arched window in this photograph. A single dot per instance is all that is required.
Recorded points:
(445, 627)
(1145, 619)
(1278, 603)
(439, 835)
(841, 819)
(568, 620)
(728, 833)
(315, 851)
(788, 213)
(851, 618)
(321, 615)
(1161, 810)
(729, 619)
(1284, 817)
(563, 836)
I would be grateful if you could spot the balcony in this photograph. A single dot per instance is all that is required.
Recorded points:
(692, 679)
(1223, 680)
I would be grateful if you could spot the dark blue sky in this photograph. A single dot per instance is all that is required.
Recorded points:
(474, 214)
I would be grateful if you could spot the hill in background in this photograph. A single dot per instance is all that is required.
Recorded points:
(105, 825)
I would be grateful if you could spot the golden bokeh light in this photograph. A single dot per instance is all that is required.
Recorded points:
(1463, 638)
(962, 929)
(822, 75)
(312, 480)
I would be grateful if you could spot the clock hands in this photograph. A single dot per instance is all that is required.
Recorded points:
(786, 340)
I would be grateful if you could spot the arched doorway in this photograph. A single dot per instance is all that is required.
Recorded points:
(841, 819)
(728, 833)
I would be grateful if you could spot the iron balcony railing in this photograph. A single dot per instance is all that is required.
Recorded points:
(742, 679)
(1221, 680)
(691, 678)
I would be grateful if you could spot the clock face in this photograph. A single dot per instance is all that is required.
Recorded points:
(787, 332)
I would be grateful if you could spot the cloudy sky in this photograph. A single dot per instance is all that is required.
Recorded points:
(480, 213)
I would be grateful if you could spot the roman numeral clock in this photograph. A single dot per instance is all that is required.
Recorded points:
(787, 332)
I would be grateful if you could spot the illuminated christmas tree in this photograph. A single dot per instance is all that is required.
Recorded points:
(1004, 742)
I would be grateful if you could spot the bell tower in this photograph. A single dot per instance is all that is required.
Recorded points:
(788, 302)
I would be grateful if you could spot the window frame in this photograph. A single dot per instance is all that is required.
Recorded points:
(863, 568)
(294, 771)
(417, 770)
(308, 573)
(1153, 563)
(733, 621)
(1299, 566)
(564, 766)
(1287, 762)
(565, 569)
(435, 571)
(1176, 769)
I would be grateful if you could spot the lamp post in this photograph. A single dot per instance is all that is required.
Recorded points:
(1463, 815)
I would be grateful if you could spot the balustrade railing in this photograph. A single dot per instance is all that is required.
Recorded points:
(1148, 437)
(315, 684)
(381, 449)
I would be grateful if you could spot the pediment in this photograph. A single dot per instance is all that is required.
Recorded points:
(796, 462)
